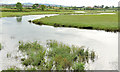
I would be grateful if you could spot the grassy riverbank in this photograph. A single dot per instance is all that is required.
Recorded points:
(97, 22)
(12, 14)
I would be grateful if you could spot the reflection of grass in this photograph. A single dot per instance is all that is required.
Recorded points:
(99, 22)
(59, 56)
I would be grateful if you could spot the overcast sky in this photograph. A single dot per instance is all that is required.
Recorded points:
(67, 2)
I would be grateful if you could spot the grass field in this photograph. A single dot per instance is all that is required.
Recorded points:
(97, 22)
(11, 14)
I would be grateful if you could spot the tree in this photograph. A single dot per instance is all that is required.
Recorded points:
(35, 6)
(102, 6)
(42, 7)
(106, 7)
(61, 7)
(19, 6)
(113, 7)
(95, 6)
(49, 6)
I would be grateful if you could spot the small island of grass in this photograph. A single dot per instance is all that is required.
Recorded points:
(96, 22)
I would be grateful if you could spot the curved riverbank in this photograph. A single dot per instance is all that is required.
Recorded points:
(95, 22)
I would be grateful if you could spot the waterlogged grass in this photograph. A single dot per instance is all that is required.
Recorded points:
(13, 68)
(0, 46)
(35, 53)
(97, 22)
(12, 14)
(55, 56)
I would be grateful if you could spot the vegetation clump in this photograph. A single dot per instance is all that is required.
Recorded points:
(55, 56)
(13, 68)
(35, 53)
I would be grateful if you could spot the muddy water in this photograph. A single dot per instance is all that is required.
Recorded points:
(14, 29)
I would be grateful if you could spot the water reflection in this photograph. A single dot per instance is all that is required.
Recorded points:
(103, 43)
(19, 18)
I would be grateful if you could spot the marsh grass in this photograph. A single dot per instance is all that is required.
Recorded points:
(13, 68)
(96, 22)
(59, 56)
(0, 46)
(34, 51)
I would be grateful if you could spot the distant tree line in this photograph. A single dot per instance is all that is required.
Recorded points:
(19, 6)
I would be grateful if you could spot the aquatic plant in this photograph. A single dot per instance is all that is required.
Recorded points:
(78, 66)
(59, 56)
(0, 46)
(64, 56)
(34, 51)
(92, 56)
(8, 55)
(13, 68)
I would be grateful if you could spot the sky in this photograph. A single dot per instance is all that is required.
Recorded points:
(67, 2)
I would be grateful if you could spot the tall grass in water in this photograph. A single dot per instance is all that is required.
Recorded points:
(0, 46)
(58, 56)
(34, 51)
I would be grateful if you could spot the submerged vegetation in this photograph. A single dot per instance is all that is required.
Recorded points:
(55, 56)
(97, 22)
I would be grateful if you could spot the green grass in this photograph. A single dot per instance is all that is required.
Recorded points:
(97, 22)
(59, 54)
(13, 68)
(12, 14)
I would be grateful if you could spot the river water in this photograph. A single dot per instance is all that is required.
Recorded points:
(14, 29)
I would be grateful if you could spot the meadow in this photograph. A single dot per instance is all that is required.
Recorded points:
(97, 22)
(12, 14)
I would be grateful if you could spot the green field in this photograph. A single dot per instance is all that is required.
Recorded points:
(97, 22)
(11, 14)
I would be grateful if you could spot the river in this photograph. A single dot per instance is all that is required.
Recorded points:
(14, 29)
